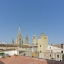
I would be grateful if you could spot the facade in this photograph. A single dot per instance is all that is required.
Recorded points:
(52, 52)
(25, 52)
(51, 55)
(7, 53)
(42, 43)
(55, 49)
(10, 52)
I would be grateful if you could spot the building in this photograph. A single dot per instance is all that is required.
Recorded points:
(34, 40)
(42, 43)
(59, 45)
(52, 52)
(19, 37)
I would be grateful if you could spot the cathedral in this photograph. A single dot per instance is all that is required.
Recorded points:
(19, 39)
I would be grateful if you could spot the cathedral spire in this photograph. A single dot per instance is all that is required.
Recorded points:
(19, 37)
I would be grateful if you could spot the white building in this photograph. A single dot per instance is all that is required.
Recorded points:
(55, 49)
(10, 52)
(52, 52)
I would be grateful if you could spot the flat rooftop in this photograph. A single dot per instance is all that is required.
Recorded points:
(26, 60)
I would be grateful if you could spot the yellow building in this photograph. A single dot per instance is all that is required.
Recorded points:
(42, 43)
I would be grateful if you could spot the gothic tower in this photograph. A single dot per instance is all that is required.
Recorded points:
(19, 37)
(34, 40)
(26, 40)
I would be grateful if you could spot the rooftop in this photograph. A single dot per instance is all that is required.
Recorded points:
(15, 45)
(26, 60)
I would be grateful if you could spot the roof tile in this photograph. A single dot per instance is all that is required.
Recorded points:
(26, 60)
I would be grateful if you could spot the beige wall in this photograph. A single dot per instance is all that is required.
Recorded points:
(42, 43)
(34, 39)
(35, 55)
(26, 40)
(50, 55)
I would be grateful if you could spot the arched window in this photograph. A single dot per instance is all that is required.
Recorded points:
(40, 50)
(50, 55)
(40, 45)
(24, 54)
(57, 56)
(61, 51)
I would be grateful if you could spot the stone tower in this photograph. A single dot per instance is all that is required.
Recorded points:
(42, 43)
(34, 40)
(42, 35)
(19, 37)
(12, 41)
(26, 40)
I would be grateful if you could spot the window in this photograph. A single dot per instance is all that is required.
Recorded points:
(61, 51)
(50, 55)
(63, 57)
(61, 45)
(45, 37)
(40, 50)
(32, 56)
(57, 56)
(36, 44)
(40, 45)
(50, 47)
(60, 60)
(24, 54)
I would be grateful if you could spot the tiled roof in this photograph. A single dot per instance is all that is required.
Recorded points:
(15, 45)
(7, 50)
(26, 60)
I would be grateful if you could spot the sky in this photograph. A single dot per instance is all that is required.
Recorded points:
(34, 17)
